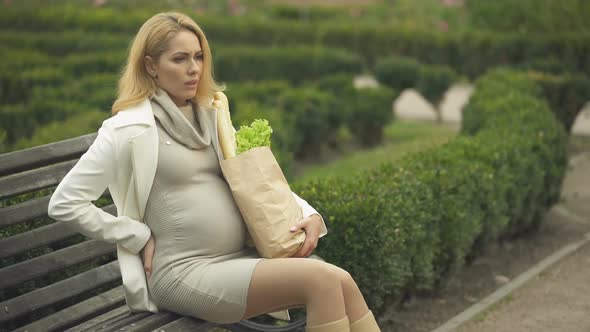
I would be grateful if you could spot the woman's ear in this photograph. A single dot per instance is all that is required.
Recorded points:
(150, 66)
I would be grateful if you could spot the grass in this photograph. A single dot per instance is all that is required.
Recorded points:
(401, 137)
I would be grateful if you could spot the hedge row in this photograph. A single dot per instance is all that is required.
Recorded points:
(469, 52)
(305, 118)
(294, 64)
(65, 42)
(403, 229)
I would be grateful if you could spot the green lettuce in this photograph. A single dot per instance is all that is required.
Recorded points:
(255, 135)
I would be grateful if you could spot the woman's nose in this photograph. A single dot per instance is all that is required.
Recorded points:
(195, 67)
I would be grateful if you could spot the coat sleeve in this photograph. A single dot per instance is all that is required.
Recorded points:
(71, 202)
(308, 210)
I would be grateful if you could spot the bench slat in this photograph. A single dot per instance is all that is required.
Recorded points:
(40, 236)
(61, 290)
(57, 260)
(24, 211)
(153, 322)
(78, 313)
(18, 161)
(30, 209)
(34, 238)
(35, 179)
(188, 324)
(122, 322)
(97, 323)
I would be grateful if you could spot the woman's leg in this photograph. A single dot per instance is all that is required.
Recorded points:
(280, 282)
(361, 319)
(355, 304)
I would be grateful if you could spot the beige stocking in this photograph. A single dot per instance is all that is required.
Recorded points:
(341, 325)
(366, 324)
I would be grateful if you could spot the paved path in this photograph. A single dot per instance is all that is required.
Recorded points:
(558, 300)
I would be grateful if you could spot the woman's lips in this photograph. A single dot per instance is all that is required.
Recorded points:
(192, 84)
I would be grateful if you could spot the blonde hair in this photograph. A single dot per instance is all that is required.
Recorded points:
(152, 39)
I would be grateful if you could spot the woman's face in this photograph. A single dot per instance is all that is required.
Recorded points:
(179, 68)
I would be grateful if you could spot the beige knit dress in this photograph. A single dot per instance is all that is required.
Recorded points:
(201, 266)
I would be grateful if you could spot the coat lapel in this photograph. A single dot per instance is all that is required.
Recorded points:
(144, 158)
(143, 149)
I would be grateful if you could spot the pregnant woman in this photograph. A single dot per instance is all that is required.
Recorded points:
(181, 241)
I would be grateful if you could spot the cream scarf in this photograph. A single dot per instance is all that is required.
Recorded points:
(191, 131)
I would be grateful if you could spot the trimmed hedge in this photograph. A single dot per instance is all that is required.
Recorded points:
(567, 94)
(470, 52)
(365, 112)
(403, 229)
(296, 64)
(401, 73)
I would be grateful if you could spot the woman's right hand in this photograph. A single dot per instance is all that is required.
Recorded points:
(148, 255)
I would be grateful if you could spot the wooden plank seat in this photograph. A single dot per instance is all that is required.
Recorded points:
(55, 279)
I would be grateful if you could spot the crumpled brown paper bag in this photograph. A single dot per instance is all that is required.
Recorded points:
(265, 201)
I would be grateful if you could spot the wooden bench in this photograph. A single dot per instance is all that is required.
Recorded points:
(53, 278)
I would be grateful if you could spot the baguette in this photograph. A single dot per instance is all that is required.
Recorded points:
(225, 129)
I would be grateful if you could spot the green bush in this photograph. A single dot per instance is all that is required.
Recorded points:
(79, 124)
(434, 81)
(566, 93)
(309, 13)
(19, 120)
(16, 84)
(499, 82)
(371, 112)
(65, 42)
(315, 116)
(295, 64)
(399, 73)
(364, 112)
(79, 64)
(529, 16)
(405, 228)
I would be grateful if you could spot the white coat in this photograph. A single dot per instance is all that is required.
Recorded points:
(123, 158)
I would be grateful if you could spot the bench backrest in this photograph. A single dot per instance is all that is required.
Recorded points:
(46, 266)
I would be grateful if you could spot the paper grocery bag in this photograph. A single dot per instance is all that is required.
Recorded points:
(265, 201)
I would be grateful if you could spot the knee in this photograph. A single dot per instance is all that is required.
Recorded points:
(346, 280)
(323, 278)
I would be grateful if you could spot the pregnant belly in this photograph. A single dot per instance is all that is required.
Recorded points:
(207, 222)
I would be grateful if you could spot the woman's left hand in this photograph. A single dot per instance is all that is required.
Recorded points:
(312, 227)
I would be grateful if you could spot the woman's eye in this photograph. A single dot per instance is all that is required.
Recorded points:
(177, 59)
(200, 56)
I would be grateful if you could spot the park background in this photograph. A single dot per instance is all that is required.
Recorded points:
(329, 76)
